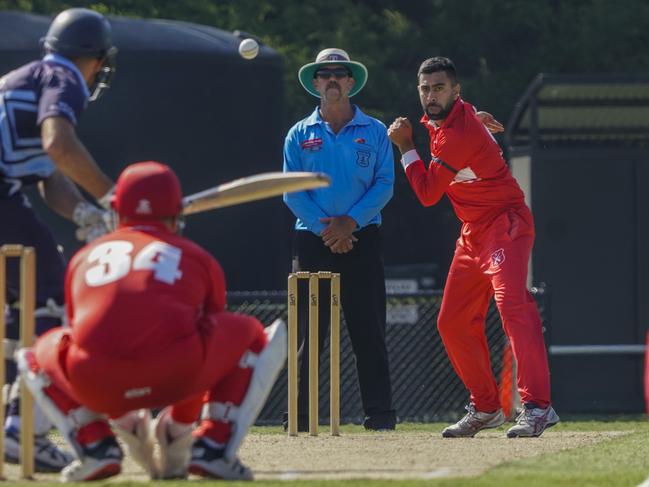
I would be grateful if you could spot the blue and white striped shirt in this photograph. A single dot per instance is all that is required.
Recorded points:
(51, 87)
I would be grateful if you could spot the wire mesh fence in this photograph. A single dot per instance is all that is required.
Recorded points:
(424, 384)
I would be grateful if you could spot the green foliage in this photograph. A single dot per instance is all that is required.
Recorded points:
(498, 46)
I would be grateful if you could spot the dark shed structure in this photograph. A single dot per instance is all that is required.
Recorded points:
(183, 95)
(580, 147)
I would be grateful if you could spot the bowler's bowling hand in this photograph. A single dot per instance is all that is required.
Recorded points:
(400, 133)
(488, 120)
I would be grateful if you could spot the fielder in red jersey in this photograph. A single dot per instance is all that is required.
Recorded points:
(148, 329)
(491, 254)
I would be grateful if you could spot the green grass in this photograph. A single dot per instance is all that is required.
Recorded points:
(619, 461)
(623, 461)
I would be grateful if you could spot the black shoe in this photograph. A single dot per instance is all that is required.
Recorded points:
(48, 458)
(381, 422)
(209, 461)
(302, 422)
(107, 447)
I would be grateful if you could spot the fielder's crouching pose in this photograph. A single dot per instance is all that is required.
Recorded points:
(148, 329)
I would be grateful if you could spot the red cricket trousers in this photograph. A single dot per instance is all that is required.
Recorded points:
(204, 363)
(491, 259)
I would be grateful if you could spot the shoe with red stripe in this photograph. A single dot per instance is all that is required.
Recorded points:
(208, 460)
(533, 421)
(474, 421)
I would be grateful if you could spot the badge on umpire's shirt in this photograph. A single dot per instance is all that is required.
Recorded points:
(363, 158)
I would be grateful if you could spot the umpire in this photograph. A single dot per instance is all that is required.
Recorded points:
(337, 228)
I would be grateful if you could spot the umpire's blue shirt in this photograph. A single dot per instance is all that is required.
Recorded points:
(359, 161)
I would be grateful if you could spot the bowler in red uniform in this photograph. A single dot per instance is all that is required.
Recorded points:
(148, 329)
(491, 254)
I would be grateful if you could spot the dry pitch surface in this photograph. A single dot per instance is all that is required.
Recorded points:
(394, 455)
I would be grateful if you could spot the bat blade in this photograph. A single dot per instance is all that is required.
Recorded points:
(253, 188)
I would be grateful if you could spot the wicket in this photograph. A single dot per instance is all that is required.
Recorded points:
(27, 257)
(334, 349)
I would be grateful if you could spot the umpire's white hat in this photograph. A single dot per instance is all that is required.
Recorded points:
(333, 55)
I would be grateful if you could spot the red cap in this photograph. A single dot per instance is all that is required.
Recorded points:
(147, 191)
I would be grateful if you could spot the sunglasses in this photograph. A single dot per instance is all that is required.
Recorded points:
(338, 73)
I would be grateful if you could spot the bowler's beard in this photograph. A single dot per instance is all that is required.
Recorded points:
(440, 114)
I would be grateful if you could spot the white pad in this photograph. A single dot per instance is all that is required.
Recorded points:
(220, 411)
(134, 429)
(248, 360)
(36, 382)
(42, 424)
(268, 365)
(66, 424)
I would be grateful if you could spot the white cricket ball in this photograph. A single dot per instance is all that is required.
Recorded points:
(249, 49)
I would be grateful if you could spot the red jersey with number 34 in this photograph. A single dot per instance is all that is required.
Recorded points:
(137, 290)
(467, 165)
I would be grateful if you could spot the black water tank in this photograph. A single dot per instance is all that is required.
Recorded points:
(183, 95)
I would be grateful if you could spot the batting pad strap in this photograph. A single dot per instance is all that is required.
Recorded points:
(83, 416)
(248, 359)
(221, 411)
(409, 157)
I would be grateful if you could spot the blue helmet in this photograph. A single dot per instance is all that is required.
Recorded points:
(79, 32)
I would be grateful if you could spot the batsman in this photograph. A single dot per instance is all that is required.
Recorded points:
(40, 106)
(491, 253)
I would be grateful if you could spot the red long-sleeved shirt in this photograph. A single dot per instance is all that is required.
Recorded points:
(467, 165)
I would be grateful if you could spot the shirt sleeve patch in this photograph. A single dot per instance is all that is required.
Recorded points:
(312, 144)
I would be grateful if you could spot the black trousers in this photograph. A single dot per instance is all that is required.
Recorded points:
(362, 289)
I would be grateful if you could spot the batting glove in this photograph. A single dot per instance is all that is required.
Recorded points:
(93, 222)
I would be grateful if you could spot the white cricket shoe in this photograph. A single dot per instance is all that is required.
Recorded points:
(532, 422)
(472, 422)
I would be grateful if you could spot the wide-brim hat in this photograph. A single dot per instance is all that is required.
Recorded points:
(333, 56)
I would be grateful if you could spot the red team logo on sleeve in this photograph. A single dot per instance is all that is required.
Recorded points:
(497, 258)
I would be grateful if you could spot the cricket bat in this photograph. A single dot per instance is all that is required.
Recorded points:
(253, 188)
